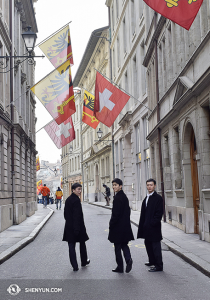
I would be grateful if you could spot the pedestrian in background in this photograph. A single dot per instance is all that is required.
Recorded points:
(45, 191)
(150, 226)
(75, 231)
(58, 197)
(107, 193)
(120, 232)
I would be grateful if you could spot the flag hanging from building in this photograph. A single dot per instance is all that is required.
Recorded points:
(61, 134)
(182, 12)
(88, 110)
(55, 92)
(58, 48)
(61, 182)
(109, 101)
(37, 164)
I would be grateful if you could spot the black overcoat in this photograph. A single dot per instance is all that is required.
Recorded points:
(120, 226)
(150, 219)
(74, 230)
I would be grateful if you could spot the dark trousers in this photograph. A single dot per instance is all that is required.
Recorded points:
(154, 253)
(73, 256)
(118, 254)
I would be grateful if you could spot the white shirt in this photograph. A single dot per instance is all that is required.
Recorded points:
(148, 195)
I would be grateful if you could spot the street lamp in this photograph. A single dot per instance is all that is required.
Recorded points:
(29, 38)
(99, 133)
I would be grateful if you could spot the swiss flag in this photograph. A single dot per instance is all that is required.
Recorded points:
(109, 101)
(182, 12)
(61, 134)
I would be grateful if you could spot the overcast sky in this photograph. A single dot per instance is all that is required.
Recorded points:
(86, 16)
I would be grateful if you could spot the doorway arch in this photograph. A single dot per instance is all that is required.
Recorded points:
(190, 168)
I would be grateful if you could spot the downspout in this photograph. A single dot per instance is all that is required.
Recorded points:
(110, 57)
(81, 143)
(158, 120)
(12, 110)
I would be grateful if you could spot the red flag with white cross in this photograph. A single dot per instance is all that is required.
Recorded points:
(109, 101)
(182, 12)
(61, 134)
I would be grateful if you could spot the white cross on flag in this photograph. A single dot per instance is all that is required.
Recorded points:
(61, 134)
(109, 101)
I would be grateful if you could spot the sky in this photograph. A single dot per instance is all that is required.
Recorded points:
(86, 16)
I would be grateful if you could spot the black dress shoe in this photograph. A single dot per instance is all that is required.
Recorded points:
(129, 266)
(149, 264)
(75, 269)
(87, 263)
(117, 270)
(154, 269)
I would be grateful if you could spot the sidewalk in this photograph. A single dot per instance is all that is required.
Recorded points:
(16, 237)
(188, 246)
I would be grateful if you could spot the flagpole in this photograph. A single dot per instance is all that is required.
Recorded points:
(52, 34)
(44, 126)
(123, 89)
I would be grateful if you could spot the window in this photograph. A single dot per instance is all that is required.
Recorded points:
(138, 160)
(121, 160)
(146, 148)
(78, 137)
(107, 166)
(102, 168)
(117, 159)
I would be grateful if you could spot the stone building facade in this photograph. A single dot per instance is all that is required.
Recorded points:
(18, 179)
(71, 154)
(132, 155)
(97, 166)
(183, 78)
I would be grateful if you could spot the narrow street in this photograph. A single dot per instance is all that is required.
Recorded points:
(45, 263)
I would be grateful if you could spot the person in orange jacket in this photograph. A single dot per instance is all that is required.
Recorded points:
(58, 195)
(45, 191)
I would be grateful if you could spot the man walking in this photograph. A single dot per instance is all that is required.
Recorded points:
(150, 226)
(120, 232)
(58, 197)
(45, 191)
(75, 231)
(107, 193)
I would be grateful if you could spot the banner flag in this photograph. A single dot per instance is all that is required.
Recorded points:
(55, 91)
(109, 101)
(182, 12)
(61, 134)
(61, 183)
(37, 164)
(58, 48)
(88, 111)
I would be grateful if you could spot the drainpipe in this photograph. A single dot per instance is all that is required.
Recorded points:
(158, 120)
(12, 110)
(110, 56)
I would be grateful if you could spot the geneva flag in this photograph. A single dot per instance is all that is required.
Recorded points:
(61, 134)
(55, 92)
(58, 48)
(182, 12)
(109, 101)
(88, 111)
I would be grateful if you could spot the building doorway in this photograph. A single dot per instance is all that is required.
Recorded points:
(195, 182)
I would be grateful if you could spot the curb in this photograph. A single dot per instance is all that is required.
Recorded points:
(187, 256)
(5, 255)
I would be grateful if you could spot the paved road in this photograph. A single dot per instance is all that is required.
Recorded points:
(45, 264)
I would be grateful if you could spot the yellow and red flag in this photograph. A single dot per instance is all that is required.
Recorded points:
(88, 110)
(61, 183)
(55, 91)
(37, 164)
(182, 12)
(58, 48)
(38, 186)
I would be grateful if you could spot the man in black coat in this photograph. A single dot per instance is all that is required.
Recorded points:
(120, 232)
(150, 226)
(75, 230)
(107, 191)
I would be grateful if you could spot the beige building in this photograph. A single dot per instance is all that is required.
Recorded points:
(17, 154)
(183, 76)
(97, 162)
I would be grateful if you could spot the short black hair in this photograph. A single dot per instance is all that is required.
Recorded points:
(44, 184)
(75, 185)
(151, 180)
(118, 181)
